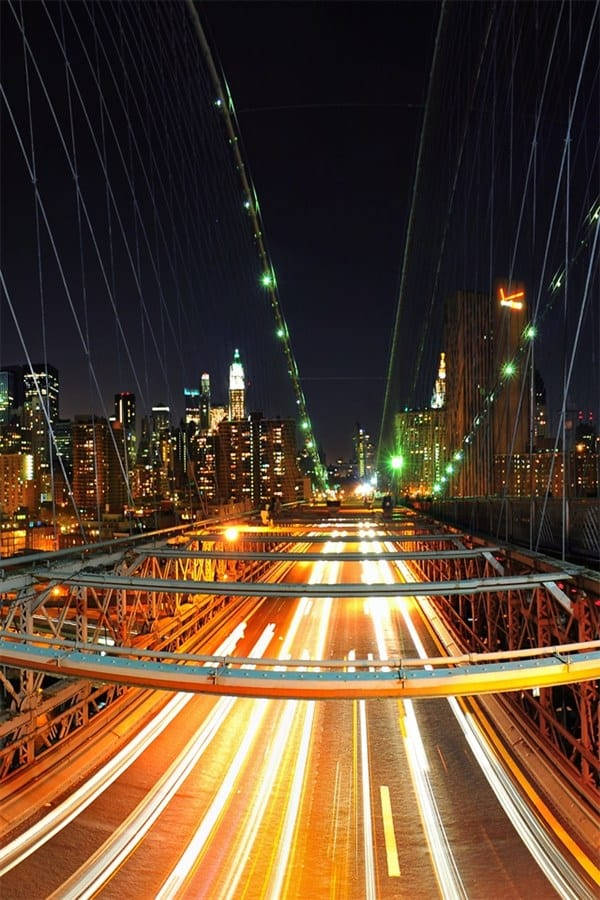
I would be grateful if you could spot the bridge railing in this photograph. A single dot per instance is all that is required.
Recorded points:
(525, 521)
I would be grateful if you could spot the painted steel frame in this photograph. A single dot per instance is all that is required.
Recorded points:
(41, 710)
(564, 720)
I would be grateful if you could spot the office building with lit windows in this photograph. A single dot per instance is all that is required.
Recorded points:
(483, 385)
(16, 483)
(7, 396)
(205, 402)
(364, 452)
(125, 414)
(257, 460)
(420, 436)
(191, 398)
(90, 461)
(41, 410)
(237, 389)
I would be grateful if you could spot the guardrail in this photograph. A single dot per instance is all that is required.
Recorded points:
(518, 520)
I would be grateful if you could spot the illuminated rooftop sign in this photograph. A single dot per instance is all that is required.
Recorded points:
(513, 301)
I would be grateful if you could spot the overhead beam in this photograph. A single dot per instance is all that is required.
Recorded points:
(311, 556)
(288, 589)
(263, 537)
(396, 682)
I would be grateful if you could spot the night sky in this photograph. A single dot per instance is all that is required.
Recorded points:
(330, 99)
(151, 276)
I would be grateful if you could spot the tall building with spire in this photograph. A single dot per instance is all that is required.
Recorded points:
(237, 389)
(438, 398)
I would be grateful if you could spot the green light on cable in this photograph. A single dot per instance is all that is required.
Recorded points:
(530, 332)
(397, 463)
(509, 369)
(267, 280)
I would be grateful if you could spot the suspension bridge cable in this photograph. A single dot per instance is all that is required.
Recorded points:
(269, 280)
(409, 231)
(38, 241)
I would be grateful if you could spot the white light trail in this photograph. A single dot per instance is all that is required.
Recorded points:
(101, 866)
(370, 890)
(555, 868)
(444, 864)
(176, 881)
(281, 863)
(245, 840)
(180, 874)
(52, 823)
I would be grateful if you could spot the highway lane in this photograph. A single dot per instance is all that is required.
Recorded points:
(331, 799)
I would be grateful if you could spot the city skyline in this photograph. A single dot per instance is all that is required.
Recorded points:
(299, 401)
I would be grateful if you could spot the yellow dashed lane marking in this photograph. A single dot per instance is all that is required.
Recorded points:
(388, 833)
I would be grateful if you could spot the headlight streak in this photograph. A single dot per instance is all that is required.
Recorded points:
(185, 865)
(101, 866)
(245, 841)
(555, 868)
(52, 823)
(553, 865)
(180, 875)
(370, 888)
(275, 887)
(444, 864)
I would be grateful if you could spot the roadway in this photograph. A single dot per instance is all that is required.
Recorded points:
(264, 798)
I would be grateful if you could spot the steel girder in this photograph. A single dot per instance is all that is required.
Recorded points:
(564, 720)
(41, 710)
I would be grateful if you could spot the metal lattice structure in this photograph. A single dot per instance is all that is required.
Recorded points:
(165, 593)
(563, 719)
(39, 711)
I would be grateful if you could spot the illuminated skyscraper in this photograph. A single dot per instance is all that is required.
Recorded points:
(40, 406)
(63, 436)
(481, 336)
(217, 415)
(235, 477)
(90, 463)
(191, 397)
(363, 452)
(125, 414)
(7, 396)
(162, 448)
(438, 398)
(205, 401)
(421, 439)
(237, 389)
(275, 456)
(41, 383)
(257, 460)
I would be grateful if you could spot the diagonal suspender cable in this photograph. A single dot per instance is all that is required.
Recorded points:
(408, 241)
(269, 281)
(48, 442)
